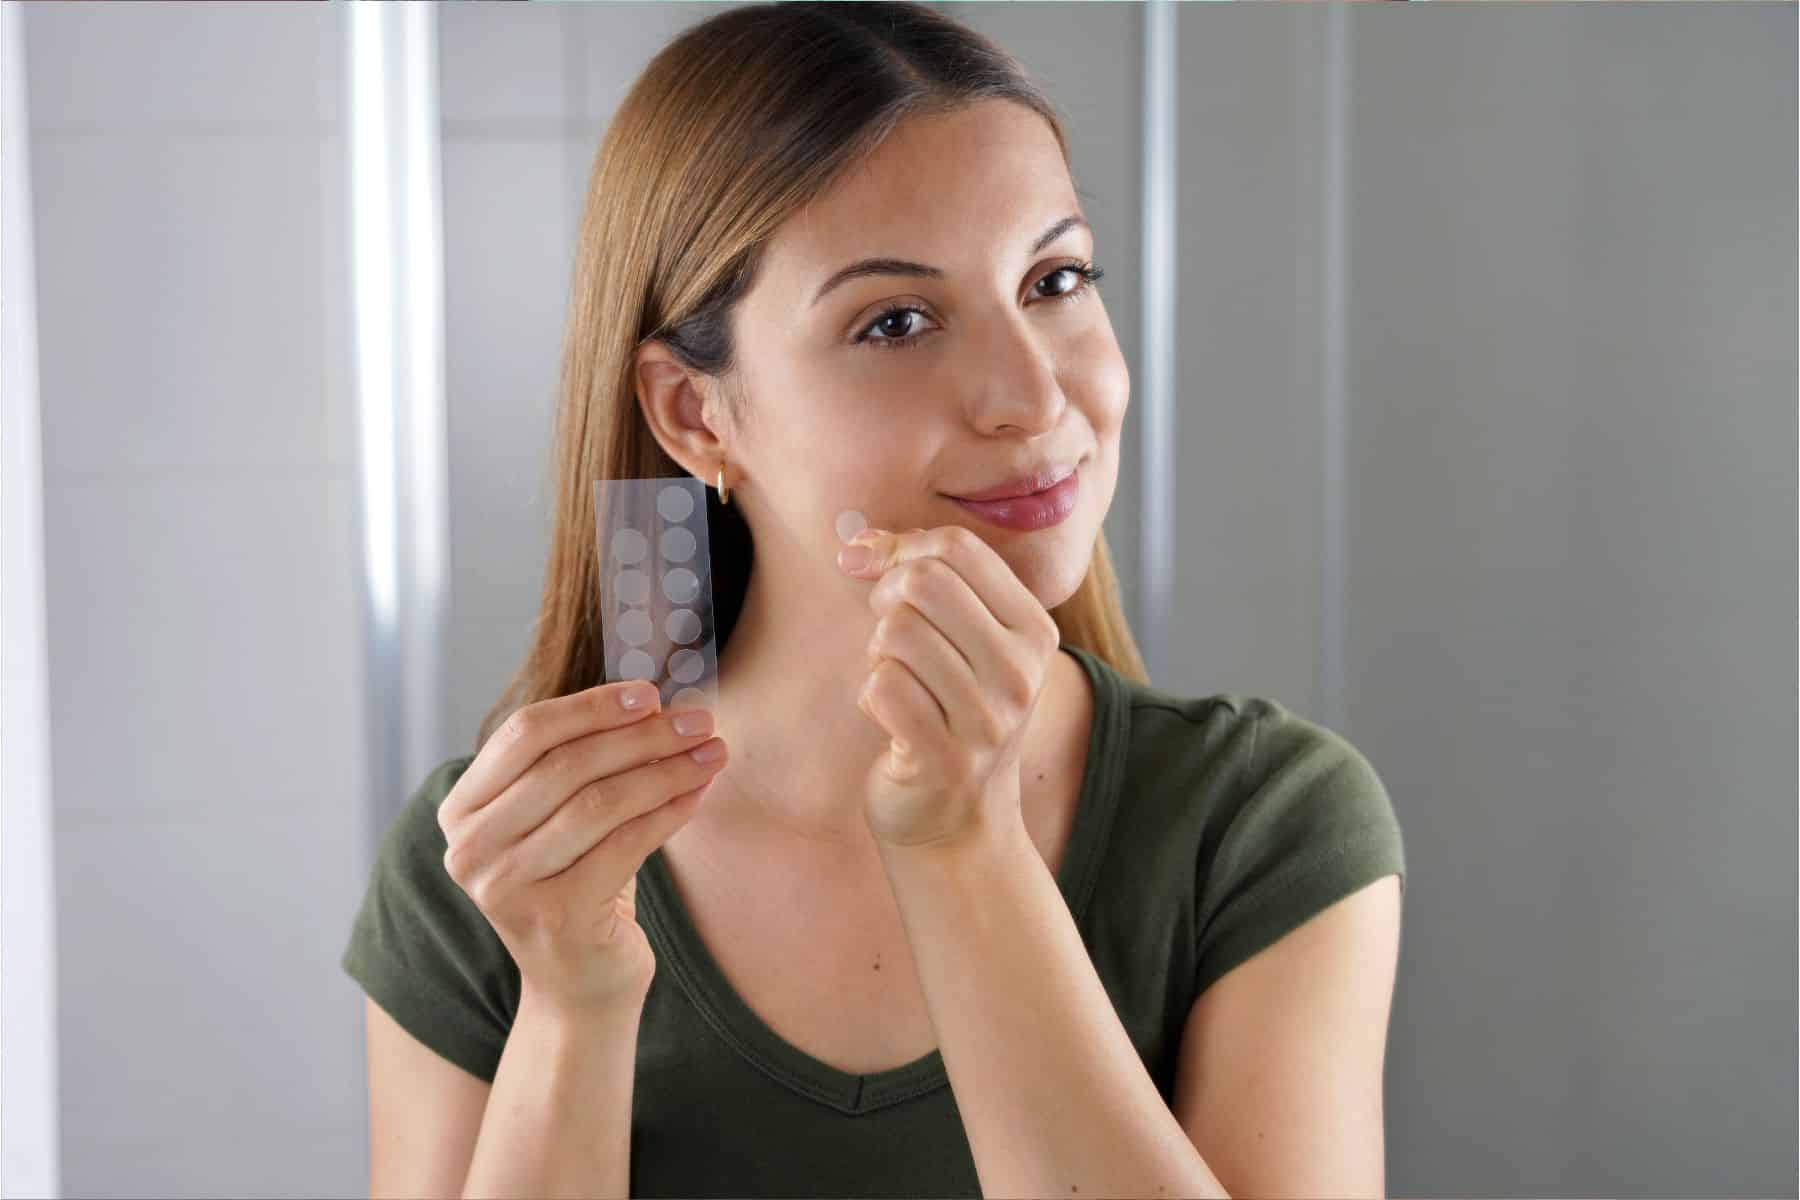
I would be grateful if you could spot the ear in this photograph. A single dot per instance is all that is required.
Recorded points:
(676, 403)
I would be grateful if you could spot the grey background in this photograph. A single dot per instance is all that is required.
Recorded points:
(1570, 607)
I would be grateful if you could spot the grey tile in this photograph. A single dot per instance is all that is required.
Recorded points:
(181, 300)
(129, 66)
(502, 62)
(618, 39)
(204, 643)
(510, 245)
(201, 1006)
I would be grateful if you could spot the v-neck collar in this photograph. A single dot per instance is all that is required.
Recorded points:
(698, 974)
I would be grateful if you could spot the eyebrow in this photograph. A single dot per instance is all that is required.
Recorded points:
(900, 266)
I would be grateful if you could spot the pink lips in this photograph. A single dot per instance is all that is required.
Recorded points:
(1038, 510)
(1039, 480)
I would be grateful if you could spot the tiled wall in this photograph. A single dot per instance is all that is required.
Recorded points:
(205, 682)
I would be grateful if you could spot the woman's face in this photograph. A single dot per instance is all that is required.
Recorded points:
(1002, 361)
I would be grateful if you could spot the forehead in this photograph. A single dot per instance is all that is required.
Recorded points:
(943, 189)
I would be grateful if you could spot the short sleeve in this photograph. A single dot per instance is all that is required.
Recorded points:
(421, 948)
(1312, 824)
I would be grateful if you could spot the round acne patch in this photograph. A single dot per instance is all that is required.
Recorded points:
(681, 585)
(635, 664)
(682, 626)
(677, 544)
(632, 585)
(674, 504)
(634, 627)
(629, 546)
(850, 523)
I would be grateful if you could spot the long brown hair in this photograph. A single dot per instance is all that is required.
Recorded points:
(735, 125)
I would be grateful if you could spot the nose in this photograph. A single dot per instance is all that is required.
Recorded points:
(1021, 393)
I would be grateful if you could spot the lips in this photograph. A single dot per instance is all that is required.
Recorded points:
(1041, 479)
(1027, 514)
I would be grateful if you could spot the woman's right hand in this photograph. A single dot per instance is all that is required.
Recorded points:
(548, 826)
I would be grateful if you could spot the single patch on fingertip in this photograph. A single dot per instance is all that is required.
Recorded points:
(850, 523)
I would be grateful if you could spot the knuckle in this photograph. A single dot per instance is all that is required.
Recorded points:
(912, 584)
(496, 881)
(625, 834)
(453, 861)
(559, 762)
(594, 800)
(481, 891)
(961, 537)
(520, 725)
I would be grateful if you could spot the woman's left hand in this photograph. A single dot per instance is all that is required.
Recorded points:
(959, 656)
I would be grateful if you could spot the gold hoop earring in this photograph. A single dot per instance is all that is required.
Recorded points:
(724, 495)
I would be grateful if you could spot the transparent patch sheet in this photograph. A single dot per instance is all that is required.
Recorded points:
(656, 603)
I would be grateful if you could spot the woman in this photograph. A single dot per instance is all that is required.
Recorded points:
(970, 907)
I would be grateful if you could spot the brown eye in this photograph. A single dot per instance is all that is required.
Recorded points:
(1089, 274)
(889, 340)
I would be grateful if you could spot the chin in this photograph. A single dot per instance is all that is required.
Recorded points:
(1055, 572)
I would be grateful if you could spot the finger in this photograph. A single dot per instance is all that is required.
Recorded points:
(904, 705)
(931, 588)
(533, 731)
(550, 783)
(908, 637)
(613, 863)
(597, 810)
(993, 581)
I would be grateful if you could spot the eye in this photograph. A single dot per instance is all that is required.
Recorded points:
(1089, 274)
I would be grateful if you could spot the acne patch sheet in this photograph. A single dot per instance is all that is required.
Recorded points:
(656, 605)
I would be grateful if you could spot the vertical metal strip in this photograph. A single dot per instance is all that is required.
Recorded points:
(1157, 403)
(1330, 700)
(392, 134)
(29, 1137)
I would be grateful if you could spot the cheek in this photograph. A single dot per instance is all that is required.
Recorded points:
(1101, 385)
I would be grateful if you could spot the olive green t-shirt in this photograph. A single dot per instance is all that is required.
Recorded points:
(1207, 828)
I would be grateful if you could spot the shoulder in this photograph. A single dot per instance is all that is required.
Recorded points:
(1246, 750)
(1247, 777)
(1164, 733)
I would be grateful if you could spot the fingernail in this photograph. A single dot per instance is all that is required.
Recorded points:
(856, 558)
(637, 697)
(692, 721)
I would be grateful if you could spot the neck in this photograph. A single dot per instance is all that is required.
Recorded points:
(801, 749)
